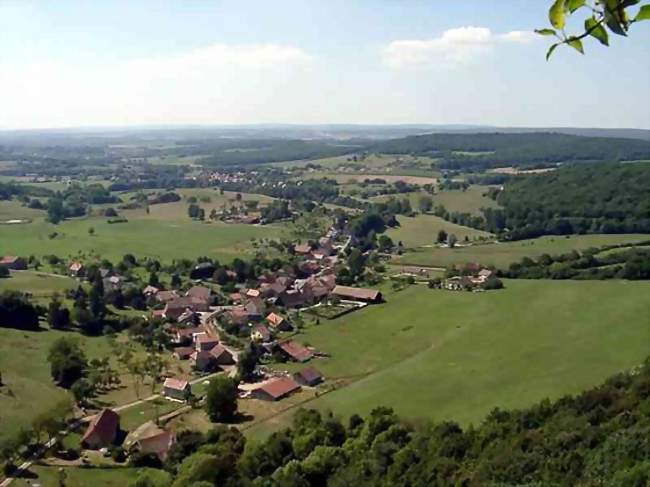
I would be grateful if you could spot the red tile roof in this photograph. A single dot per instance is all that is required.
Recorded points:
(280, 387)
(177, 384)
(104, 426)
(357, 293)
(310, 374)
(296, 351)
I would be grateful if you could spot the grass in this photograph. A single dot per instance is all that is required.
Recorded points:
(28, 388)
(82, 477)
(37, 283)
(423, 230)
(14, 210)
(469, 201)
(501, 255)
(436, 355)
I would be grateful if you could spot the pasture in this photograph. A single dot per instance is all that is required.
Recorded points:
(502, 254)
(438, 355)
(423, 230)
(48, 476)
(38, 284)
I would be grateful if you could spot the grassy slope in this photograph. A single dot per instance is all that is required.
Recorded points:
(28, 388)
(82, 477)
(423, 230)
(445, 355)
(503, 254)
(37, 283)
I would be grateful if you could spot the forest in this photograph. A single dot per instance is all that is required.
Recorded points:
(594, 198)
(488, 150)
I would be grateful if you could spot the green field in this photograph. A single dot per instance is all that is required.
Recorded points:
(83, 477)
(502, 254)
(37, 283)
(438, 355)
(28, 389)
(14, 210)
(469, 201)
(423, 230)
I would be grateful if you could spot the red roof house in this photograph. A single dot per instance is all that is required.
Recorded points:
(102, 430)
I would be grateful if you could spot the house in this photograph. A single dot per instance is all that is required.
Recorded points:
(238, 316)
(302, 249)
(276, 389)
(150, 291)
(485, 274)
(292, 299)
(183, 353)
(261, 334)
(272, 289)
(200, 293)
(189, 317)
(357, 294)
(222, 355)
(205, 343)
(203, 361)
(102, 430)
(254, 309)
(176, 389)
(253, 293)
(166, 296)
(175, 308)
(277, 322)
(77, 269)
(308, 376)
(187, 335)
(14, 263)
(150, 438)
(294, 351)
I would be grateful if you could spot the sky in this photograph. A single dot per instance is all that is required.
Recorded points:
(69, 63)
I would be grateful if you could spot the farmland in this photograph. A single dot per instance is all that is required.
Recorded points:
(502, 254)
(458, 355)
(423, 230)
(37, 283)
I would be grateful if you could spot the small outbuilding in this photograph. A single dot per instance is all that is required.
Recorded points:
(177, 389)
(309, 376)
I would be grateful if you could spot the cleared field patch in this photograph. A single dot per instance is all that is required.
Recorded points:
(502, 254)
(38, 284)
(435, 355)
(423, 230)
(14, 210)
(158, 238)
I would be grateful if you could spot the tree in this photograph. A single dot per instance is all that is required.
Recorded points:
(221, 399)
(91, 231)
(246, 364)
(425, 203)
(4, 271)
(356, 263)
(82, 390)
(67, 361)
(55, 210)
(58, 317)
(193, 211)
(176, 281)
(603, 17)
(451, 240)
(442, 236)
(385, 243)
(17, 312)
(153, 279)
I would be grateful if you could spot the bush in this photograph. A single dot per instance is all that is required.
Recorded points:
(4, 271)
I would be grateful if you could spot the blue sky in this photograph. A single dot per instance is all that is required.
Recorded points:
(80, 63)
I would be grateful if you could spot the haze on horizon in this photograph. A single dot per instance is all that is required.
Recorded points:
(76, 64)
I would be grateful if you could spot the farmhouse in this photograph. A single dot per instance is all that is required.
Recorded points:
(14, 263)
(150, 438)
(102, 430)
(77, 269)
(200, 293)
(183, 353)
(308, 376)
(175, 308)
(177, 389)
(277, 322)
(276, 389)
(203, 361)
(205, 342)
(222, 355)
(357, 294)
(294, 351)
(261, 334)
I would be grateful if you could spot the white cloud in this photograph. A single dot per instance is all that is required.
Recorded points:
(453, 47)
(197, 85)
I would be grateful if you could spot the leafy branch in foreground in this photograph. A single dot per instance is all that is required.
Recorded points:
(606, 16)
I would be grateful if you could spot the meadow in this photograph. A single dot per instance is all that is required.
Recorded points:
(82, 477)
(422, 230)
(38, 284)
(502, 254)
(439, 355)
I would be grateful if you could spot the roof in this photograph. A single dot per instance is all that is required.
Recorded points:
(184, 302)
(166, 295)
(104, 425)
(178, 384)
(200, 292)
(218, 351)
(296, 351)
(263, 331)
(280, 387)
(485, 273)
(292, 298)
(302, 248)
(206, 339)
(310, 374)
(356, 292)
(253, 293)
(150, 290)
(76, 266)
(254, 306)
(184, 351)
(145, 430)
(159, 444)
(9, 259)
(275, 319)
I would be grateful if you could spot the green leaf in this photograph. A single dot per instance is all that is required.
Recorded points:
(574, 5)
(644, 13)
(596, 30)
(614, 25)
(546, 32)
(557, 15)
(576, 44)
(551, 49)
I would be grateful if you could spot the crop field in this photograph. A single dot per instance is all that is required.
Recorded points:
(436, 355)
(502, 254)
(423, 230)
